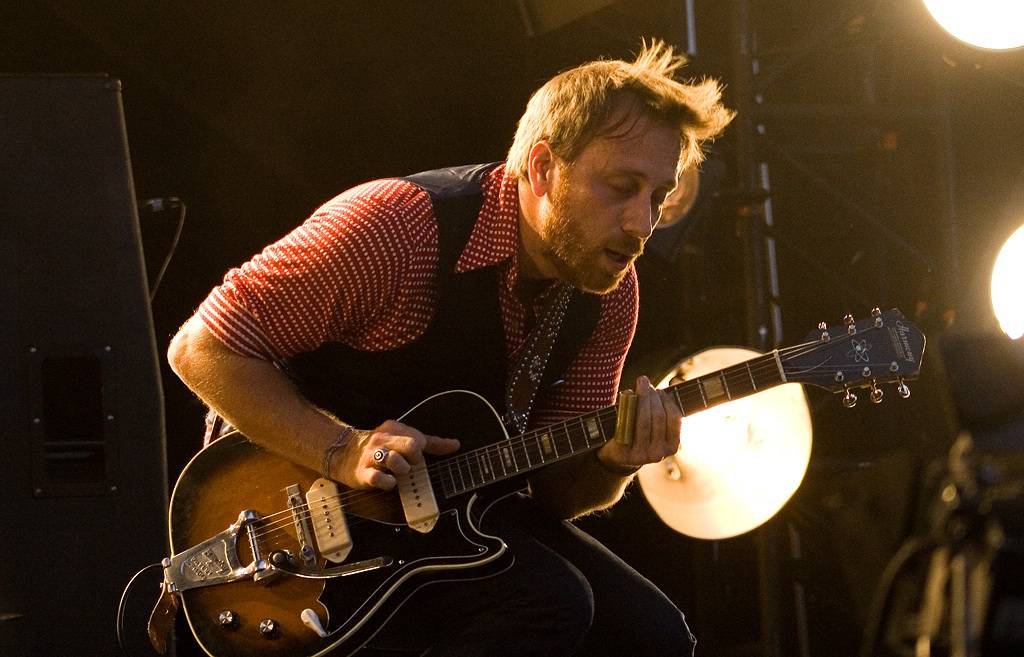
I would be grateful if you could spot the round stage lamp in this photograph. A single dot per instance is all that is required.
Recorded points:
(1007, 299)
(738, 463)
(989, 24)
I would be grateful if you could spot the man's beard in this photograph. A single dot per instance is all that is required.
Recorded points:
(574, 255)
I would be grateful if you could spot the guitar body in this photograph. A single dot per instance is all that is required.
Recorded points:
(233, 475)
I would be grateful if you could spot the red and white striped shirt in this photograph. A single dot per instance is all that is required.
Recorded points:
(362, 271)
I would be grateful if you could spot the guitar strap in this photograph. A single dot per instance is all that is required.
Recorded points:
(528, 371)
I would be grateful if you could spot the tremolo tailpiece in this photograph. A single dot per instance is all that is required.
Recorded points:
(216, 561)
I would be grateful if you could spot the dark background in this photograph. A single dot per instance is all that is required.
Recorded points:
(892, 152)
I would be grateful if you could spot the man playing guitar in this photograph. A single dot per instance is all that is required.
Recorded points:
(513, 280)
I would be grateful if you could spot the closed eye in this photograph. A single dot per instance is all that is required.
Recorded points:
(623, 189)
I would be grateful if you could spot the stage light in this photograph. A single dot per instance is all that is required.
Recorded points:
(738, 463)
(990, 24)
(1007, 296)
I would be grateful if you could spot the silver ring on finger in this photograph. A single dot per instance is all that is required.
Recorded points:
(381, 455)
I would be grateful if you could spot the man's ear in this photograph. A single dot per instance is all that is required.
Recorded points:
(541, 168)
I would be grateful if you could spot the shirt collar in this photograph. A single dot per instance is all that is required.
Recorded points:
(495, 235)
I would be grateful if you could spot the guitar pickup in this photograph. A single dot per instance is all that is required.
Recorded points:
(327, 515)
(418, 501)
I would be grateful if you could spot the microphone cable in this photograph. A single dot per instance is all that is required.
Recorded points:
(121, 607)
(160, 205)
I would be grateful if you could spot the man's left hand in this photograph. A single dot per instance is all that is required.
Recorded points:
(656, 432)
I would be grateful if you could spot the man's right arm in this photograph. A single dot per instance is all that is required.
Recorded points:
(264, 404)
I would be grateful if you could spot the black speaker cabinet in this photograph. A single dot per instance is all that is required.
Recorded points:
(83, 476)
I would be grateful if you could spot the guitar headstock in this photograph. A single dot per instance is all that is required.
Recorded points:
(882, 348)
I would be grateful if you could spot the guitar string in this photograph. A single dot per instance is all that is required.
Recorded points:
(337, 502)
(448, 466)
(353, 494)
(456, 463)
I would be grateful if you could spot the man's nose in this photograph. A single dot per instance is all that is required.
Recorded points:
(640, 221)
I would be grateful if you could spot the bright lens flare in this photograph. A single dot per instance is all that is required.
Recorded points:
(994, 24)
(1007, 296)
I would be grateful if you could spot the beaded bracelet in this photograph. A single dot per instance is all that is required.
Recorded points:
(339, 442)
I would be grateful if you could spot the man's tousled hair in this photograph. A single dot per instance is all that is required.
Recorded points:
(579, 105)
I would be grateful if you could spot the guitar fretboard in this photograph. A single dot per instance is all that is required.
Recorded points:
(508, 458)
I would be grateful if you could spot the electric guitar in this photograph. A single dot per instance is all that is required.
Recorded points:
(269, 558)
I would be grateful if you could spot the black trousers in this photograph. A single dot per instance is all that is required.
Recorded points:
(565, 595)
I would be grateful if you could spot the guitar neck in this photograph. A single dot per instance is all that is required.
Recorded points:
(474, 469)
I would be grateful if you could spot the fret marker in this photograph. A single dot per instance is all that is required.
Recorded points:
(712, 389)
(545, 444)
(593, 429)
(484, 465)
(506, 456)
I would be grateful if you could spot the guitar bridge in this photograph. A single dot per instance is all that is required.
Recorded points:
(300, 517)
(215, 560)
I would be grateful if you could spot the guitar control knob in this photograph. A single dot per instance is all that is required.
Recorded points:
(903, 390)
(227, 619)
(849, 399)
(268, 628)
(876, 394)
(848, 319)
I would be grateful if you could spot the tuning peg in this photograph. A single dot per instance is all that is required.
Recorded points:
(823, 327)
(849, 399)
(876, 393)
(903, 390)
(849, 321)
(877, 314)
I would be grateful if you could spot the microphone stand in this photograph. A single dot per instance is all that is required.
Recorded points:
(967, 537)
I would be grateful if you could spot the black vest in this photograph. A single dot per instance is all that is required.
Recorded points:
(464, 345)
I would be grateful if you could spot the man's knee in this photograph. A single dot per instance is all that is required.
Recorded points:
(570, 598)
(642, 623)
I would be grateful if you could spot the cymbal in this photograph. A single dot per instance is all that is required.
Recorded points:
(738, 463)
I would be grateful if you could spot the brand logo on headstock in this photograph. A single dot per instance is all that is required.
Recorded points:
(900, 337)
(860, 350)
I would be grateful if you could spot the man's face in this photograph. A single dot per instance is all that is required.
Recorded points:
(604, 206)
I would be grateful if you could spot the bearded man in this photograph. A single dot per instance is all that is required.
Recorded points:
(514, 280)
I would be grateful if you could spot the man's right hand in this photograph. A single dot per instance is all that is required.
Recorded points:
(401, 446)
